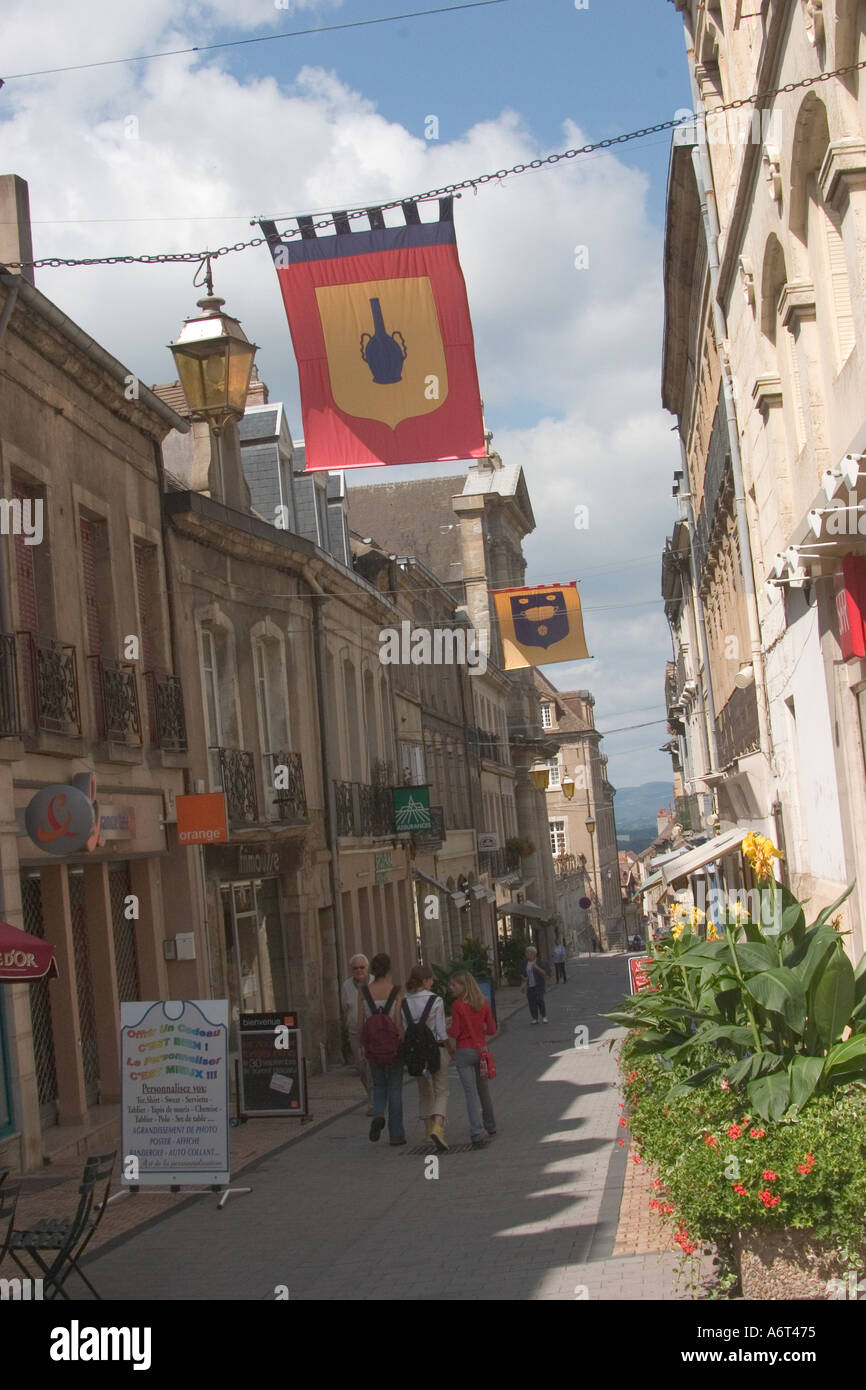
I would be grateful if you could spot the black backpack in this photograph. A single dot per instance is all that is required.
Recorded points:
(420, 1048)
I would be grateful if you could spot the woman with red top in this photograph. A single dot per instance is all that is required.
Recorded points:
(470, 1025)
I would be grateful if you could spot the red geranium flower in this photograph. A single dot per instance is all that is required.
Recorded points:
(621, 1142)
(654, 1206)
(624, 1122)
(768, 1199)
(768, 1175)
(758, 1133)
(710, 1139)
(740, 1190)
(636, 1158)
(804, 1168)
(734, 1131)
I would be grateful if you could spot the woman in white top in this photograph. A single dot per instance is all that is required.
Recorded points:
(432, 1085)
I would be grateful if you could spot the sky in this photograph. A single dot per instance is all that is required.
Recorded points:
(180, 153)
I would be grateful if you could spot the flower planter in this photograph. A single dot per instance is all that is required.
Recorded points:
(786, 1264)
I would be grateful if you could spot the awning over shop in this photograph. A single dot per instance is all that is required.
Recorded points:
(443, 888)
(526, 909)
(24, 957)
(707, 853)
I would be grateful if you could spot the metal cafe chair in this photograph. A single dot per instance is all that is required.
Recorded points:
(8, 1203)
(68, 1236)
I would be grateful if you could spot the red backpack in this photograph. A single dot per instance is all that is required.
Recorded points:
(380, 1036)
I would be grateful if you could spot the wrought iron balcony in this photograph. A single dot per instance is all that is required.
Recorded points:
(565, 864)
(344, 793)
(52, 685)
(116, 695)
(376, 805)
(737, 726)
(499, 862)
(166, 712)
(285, 774)
(10, 720)
(237, 774)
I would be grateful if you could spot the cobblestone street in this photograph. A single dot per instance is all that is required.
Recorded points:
(534, 1216)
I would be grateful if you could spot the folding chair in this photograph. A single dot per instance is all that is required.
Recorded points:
(8, 1203)
(68, 1236)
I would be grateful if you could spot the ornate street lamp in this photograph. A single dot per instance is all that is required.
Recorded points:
(214, 360)
(539, 775)
(566, 786)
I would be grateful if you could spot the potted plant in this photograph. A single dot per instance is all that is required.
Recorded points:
(512, 950)
(745, 1071)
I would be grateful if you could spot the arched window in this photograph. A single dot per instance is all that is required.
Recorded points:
(818, 229)
(269, 675)
(219, 688)
(780, 339)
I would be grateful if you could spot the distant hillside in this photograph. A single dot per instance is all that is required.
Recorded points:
(635, 809)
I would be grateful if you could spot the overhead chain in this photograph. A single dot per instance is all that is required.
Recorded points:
(185, 257)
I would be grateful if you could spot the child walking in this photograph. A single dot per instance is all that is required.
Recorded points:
(470, 1026)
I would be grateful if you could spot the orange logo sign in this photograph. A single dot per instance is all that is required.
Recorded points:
(201, 820)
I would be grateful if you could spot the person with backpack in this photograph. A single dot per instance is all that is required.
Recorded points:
(470, 1026)
(425, 1043)
(381, 1037)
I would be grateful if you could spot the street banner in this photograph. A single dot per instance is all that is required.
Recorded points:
(272, 1067)
(174, 1093)
(383, 340)
(540, 626)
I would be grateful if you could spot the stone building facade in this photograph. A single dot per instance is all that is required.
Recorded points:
(765, 273)
(90, 685)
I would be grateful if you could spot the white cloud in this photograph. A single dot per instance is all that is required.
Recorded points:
(568, 358)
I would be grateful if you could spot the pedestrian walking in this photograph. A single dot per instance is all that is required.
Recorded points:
(351, 988)
(470, 1026)
(559, 962)
(381, 1039)
(425, 1052)
(536, 983)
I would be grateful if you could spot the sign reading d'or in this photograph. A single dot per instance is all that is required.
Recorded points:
(201, 820)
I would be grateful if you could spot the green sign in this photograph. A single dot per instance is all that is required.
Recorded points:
(412, 808)
(383, 867)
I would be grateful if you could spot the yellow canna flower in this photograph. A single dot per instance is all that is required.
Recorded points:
(677, 930)
(760, 853)
(712, 934)
(836, 922)
(697, 916)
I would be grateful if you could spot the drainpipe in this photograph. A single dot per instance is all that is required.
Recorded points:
(319, 597)
(711, 234)
(697, 607)
(12, 290)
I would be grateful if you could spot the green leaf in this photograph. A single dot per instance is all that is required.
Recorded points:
(829, 911)
(848, 1056)
(757, 956)
(793, 916)
(780, 991)
(752, 931)
(833, 998)
(739, 1070)
(691, 1083)
(810, 965)
(769, 1095)
(804, 1073)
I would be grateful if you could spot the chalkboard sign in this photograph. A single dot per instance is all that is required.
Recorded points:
(272, 1067)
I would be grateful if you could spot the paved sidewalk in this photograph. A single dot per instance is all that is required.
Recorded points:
(334, 1217)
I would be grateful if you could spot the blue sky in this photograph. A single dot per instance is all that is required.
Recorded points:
(569, 361)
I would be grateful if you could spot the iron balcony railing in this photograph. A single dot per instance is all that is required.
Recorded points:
(376, 805)
(345, 801)
(565, 864)
(498, 862)
(51, 679)
(166, 712)
(236, 770)
(363, 809)
(285, 777)
(115, 692)
(10, 718)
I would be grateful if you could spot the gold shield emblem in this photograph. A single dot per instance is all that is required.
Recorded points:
(386, 359)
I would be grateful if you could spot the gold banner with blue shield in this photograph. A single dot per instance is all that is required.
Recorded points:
(540, 626)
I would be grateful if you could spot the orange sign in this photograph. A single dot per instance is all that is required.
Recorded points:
(201, 820)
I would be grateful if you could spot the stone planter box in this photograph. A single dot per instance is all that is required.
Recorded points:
(785, 1264)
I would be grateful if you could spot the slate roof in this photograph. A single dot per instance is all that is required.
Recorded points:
(412, 518)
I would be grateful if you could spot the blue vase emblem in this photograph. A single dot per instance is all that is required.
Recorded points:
(383, 352)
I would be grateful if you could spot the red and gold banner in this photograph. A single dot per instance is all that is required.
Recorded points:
(540, 626)
(383, 340)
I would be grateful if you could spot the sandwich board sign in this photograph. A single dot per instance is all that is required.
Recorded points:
(175, 1092)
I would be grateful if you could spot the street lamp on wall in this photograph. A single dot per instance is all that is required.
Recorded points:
(214, 360)
(539, 776)
(566, 786)
(590, 825)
